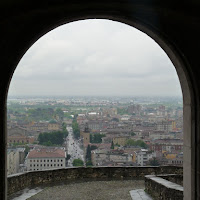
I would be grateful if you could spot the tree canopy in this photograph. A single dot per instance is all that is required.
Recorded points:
(131, 142)
(76, 129)
(77, 163)
(112, 145)
(88, 153)
(89, 163)
(52, 138)
(154, 162)
(96, 138)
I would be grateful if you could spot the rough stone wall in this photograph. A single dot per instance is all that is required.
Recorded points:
(175, 178)
(41, 178)
(162, 189)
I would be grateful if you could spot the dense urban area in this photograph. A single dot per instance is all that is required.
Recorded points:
(58, 132)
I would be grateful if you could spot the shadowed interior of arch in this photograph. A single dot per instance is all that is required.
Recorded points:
(94, 93)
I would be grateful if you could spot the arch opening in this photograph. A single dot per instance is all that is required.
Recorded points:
(186, 89)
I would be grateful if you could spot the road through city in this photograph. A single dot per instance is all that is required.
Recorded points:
(73, 147)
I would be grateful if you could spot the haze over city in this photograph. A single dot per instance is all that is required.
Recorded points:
(95, 58)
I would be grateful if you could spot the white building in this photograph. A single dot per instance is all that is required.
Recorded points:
(143, 156)
(46, 158)
(160, 135)
(125, 117)
(99, 156)
(102, 156)
(164, 126)
(15, 157)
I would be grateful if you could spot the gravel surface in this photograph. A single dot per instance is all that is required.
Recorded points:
(97, 190)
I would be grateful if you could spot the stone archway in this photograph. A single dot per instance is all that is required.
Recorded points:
(30, 23)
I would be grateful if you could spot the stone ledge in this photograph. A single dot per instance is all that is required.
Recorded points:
(160, 188)
(174, 178)
(40, 178)
(139, 194)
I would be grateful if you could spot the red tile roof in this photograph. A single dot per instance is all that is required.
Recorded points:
(47, 153)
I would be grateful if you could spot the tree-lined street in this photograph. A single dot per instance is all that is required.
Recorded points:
(73, 147)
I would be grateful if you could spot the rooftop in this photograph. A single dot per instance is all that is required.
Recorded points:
(47, 153)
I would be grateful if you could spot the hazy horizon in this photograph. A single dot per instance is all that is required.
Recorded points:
(95, 58)
(39, 95)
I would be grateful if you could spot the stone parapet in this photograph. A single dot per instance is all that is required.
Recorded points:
(33, 179)
(174, 178)
(162, 189)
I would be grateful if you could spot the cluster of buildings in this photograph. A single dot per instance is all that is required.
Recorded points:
(164, 152)
(27, 133)
(37, 158)
(158, 128)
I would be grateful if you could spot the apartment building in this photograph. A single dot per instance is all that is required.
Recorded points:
(111, 157)
(15, 157)
(167, 145)
(54, 126)
(142, 156)
(20, 139)
(120, 140)
(165, 126)
(46, 158)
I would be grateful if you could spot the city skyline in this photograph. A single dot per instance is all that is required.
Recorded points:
(95, 58)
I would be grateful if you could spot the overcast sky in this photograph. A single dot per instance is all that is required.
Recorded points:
(95, 57)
